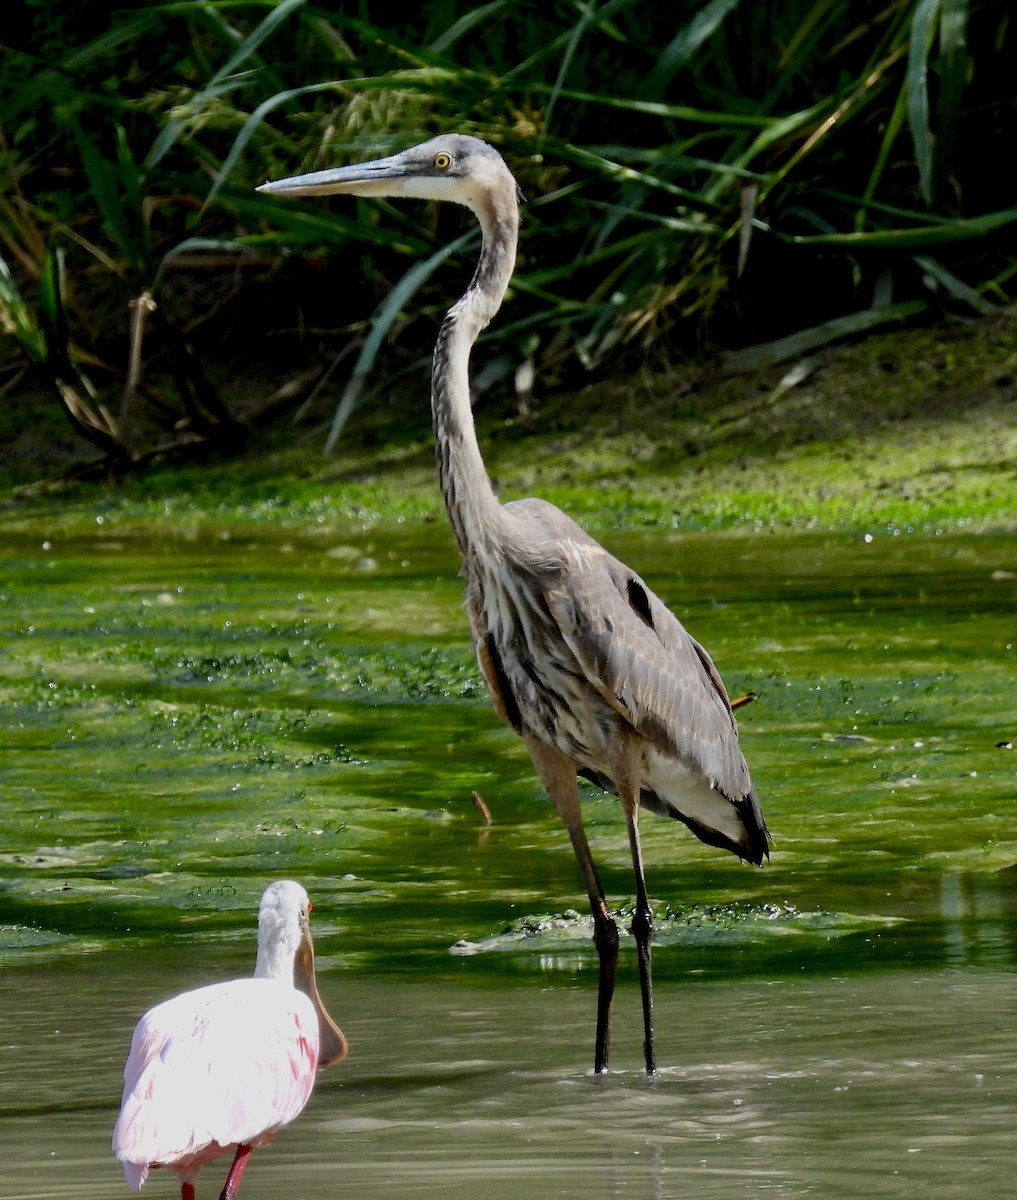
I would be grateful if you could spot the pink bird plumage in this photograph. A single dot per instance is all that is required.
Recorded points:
(225, 1067)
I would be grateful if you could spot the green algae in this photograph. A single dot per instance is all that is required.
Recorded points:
(189, 717)
(217, 674)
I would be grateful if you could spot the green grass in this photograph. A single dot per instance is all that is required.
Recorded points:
(905, 431)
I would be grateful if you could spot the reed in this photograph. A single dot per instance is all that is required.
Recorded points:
(703, 178)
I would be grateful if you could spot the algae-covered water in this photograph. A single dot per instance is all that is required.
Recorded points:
(187, 717)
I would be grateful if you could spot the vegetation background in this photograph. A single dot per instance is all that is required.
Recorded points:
(713, 188)
(765, 302)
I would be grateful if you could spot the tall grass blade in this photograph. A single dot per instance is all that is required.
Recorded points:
(381, 323)
(960, 230)
(806, 340)
(302, 226)
(105, 184)
(575, 36)
(953, 65)
(250, 127)
(17, 319)
(194, 245)
(687, 44)
(922, 31)
(76, 393)
(278, 13)
(955, 287)
(465, 24)
(223, 79)
(52, 314)
(893, 128)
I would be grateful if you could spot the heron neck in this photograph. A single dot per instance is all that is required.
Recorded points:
(473, 509)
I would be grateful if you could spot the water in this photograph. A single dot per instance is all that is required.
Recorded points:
(187, 718)
(892, 1084)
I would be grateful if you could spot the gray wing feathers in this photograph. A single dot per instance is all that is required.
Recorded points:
(641, 659)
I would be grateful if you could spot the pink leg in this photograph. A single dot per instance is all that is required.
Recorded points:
(232, 1184)
(187, 1191)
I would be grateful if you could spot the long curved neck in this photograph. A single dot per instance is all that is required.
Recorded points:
(473, 508)
(282, 918)
(273, 962)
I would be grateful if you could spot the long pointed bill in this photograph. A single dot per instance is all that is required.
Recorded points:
(382, 177)
(332, 1044)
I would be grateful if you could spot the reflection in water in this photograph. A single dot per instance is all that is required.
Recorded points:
(887, 1084)
(974, 912)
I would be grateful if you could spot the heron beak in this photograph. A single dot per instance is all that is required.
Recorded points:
(382, 177)
(332, 1045)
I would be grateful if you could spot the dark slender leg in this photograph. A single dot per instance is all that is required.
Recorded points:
(558, 775)
(642, 929)
(187, 1191)
(233, 1179)
(605, 938)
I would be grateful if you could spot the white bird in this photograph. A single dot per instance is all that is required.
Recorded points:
(225, 1067)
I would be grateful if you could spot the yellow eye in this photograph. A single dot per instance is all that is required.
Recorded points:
(442, 161)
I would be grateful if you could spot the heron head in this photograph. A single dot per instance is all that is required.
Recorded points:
(452, 167)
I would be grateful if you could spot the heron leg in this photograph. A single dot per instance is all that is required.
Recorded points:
(628, 779)
(642, 930)
(558, 775)
(232, 1184)
(605, 938)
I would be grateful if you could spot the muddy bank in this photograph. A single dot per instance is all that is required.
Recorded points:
(910, 429)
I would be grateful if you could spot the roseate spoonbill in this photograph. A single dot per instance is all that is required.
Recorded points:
(581, 659)
(225, 1067)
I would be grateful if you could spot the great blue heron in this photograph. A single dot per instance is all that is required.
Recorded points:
(581, 659)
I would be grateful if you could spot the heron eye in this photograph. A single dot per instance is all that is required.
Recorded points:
(442, 161)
